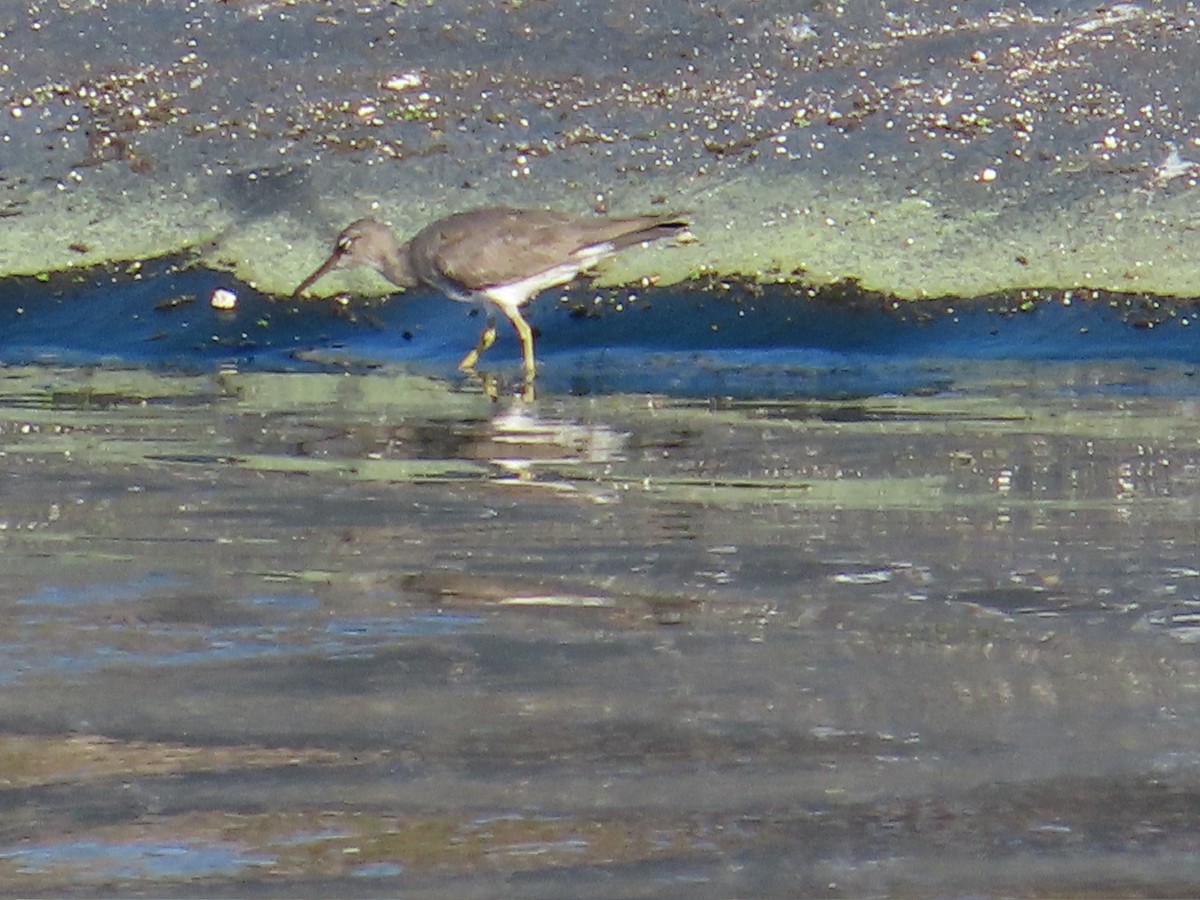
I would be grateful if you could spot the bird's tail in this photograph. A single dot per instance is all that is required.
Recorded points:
(624, 233)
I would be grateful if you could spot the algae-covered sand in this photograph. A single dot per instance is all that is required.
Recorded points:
(920, 153)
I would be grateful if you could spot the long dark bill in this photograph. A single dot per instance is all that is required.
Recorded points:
(324, 269)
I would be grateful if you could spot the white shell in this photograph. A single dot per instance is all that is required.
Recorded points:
(223, 299)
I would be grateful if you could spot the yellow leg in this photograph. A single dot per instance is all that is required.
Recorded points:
(487, 381)
(525, 333)
(485, 341)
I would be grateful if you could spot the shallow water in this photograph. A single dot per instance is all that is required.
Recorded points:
(742, 342)
(290, 608)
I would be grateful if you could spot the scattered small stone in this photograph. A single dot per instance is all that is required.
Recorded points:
(404, 82)
(223, 299)
(174, 302)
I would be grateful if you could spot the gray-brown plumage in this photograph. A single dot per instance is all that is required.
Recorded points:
(501, 256)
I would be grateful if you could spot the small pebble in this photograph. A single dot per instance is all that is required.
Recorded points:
(223, 299)
(404, 82)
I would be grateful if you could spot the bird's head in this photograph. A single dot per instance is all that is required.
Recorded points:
(365, 243)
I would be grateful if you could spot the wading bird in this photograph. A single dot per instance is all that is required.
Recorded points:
(498, 256)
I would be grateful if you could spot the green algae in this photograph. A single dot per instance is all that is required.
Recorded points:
(959, 179)
(111, 216)
(409, 471)
(773, 230)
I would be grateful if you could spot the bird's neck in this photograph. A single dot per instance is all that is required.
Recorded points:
(396, 268)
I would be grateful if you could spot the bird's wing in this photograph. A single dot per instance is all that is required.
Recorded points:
(487, 247)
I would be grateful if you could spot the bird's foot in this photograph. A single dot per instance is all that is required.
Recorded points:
(485, 342)
(494, 388)
(489, 384)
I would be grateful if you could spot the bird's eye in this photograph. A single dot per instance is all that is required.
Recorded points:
(345, 243)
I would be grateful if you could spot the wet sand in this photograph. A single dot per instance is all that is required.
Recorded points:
(316, 635)
(920, 151)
